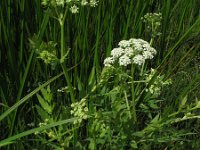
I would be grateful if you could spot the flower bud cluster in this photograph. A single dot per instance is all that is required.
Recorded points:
(79, 110)
(47, 56)
(130, 51)
(156, 86)
(152, 18)
(153, 22)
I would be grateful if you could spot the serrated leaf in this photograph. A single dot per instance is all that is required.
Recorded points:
(44, 104)
(47, 94)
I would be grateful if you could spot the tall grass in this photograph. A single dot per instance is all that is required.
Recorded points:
(89, 37)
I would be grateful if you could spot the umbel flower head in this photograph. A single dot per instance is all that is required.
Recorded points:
(130, 51)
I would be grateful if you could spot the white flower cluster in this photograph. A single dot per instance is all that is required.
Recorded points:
(73, 4)
(132, 51)
(80, 110)
(74, 8)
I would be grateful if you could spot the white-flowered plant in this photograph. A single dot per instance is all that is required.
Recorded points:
(79, 110)
(130, 51)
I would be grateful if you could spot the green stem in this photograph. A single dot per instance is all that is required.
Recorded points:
(142, 70)
(127, 104)
(133, 94)
(68, 82)
(62, 45)
(152, 38)
(62, 39)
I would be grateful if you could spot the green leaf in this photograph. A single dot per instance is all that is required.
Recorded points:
(134, 144)
(183, 102)
(139, 134)
(80, 85)
(92, 144)
(43, 114)
(153, 104)
(39, 129)
(24, 99)
(92, 76)
(46, 93)
(44, 104)
(156, 119)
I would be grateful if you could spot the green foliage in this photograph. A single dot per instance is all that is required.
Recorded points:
(125, 105)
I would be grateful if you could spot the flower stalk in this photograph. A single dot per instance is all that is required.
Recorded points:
(62, 45)
(133, 94)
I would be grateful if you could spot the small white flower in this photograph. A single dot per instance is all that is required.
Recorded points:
(131, 40)
(108, 61)
(84, 2)
(59, 90)
(60, 2)
(124, 60)
(32, 124)
(152, 50)
(139, 44)
(74, 9)
(129, 51)
(147, 55)
(117, 52)
(93, 3)
(138, 47)
(85, 109)
(124, 43)
(138, 59)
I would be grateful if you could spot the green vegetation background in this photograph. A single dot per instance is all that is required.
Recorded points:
(91, 34)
